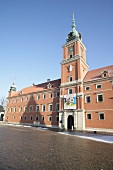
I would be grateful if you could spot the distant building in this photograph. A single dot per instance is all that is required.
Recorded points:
(1, 116)
(81, 99)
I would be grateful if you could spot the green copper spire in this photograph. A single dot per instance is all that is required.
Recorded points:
(73, 23)
(74, 33)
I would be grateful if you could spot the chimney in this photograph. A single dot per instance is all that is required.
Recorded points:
(48, 80)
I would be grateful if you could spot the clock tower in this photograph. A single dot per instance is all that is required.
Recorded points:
(73, 70)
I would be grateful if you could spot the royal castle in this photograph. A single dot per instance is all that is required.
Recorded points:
(80, 99)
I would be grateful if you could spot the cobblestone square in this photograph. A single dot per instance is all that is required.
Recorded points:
(29, 148)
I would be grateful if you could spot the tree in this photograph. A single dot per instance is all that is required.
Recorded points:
(2, 103)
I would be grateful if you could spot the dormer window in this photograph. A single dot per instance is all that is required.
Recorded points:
(49, 86)
(104, 74)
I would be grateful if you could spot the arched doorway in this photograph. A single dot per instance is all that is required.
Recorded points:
(70, 122)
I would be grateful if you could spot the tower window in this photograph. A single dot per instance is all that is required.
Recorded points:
(70, 49)
(70, 68)
(70, 79)
(70, 56)
(69, 91)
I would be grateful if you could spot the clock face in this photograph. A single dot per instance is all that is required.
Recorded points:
(70, 49)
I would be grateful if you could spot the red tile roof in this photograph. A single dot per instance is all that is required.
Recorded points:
(96, 74)
(38, 87)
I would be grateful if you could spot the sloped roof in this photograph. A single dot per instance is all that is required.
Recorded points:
(96, 74)
(38, 87)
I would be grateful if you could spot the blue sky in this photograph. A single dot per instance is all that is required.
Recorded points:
(32, 33)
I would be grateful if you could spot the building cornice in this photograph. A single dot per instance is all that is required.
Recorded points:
(67, 84)
(74, 58)
(98, 80)
(72, 41)
(32, 93)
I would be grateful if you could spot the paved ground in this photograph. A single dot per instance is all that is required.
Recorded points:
(29, 148)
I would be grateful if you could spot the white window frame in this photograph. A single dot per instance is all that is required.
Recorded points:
(57, 107)
(25, 117)
(49, 117)
(102, 97)
(70, 56)
(25, 108)
(30, 117)
(99, 113)
(15, 109)
(98, 85)
(49, 109)
(104, 75)
(38, 107)
(11, 109)
(70, 77)
(58, 92)
(69, 91)
(44, 95)
(50, 95)
(38, 96)
(20, 117)
(87, 116)
(20, 108)
(36, 118)
(31, 110)
(87, 87)
(26, 98)
(43, 107)
(56, 118)
(86, 98)
(42, 118)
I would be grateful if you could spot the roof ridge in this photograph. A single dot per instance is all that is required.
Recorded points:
(100, 68)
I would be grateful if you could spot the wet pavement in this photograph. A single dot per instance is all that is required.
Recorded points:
(30, 148)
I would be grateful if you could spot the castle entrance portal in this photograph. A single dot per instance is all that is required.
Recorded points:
(70, 122)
